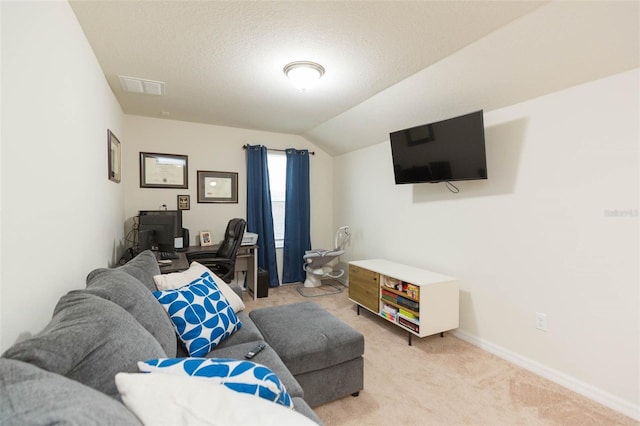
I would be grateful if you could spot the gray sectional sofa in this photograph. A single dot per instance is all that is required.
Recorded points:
(66, 372)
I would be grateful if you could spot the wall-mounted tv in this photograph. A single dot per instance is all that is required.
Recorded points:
(443, 151)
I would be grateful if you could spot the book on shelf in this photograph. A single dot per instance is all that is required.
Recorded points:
(389, 316)
(389, 312)
(408, 303)
(413, 291)
(389, 299)
(410, 325)
(390, 309)
(388, 293)
(408, 314)
(411, 320)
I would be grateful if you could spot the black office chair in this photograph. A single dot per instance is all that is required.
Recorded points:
(223, 261)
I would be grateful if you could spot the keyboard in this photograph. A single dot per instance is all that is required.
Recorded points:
(166, 255)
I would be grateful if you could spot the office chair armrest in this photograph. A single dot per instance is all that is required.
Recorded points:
(219, 261)
(222, 267)
(208, 255)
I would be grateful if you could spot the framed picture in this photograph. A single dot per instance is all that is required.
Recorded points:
(114, 157)
(183, 202)
(163, 170)
(205, 238)
(217, 187)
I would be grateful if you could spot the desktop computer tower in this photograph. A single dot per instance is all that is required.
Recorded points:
(263, 283)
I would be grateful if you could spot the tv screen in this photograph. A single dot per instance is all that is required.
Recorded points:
(443, 151)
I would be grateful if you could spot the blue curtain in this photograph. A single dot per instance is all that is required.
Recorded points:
(259, 215)
(297, 235)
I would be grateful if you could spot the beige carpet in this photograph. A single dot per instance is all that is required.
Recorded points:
(441, 380)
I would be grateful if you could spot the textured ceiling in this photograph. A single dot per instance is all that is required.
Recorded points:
(222, 61)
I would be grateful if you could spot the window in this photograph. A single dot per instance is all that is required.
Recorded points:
(277, 164)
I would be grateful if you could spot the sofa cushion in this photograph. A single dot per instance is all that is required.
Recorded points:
(130, 294)
(238, 375)
(248, 333)
(307, 337)
(32, 396)
(143, 267)
(165, 399)
(195, 271)
(89, 339)
(200, 314)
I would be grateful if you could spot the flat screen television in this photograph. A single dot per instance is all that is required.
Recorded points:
(443, 151)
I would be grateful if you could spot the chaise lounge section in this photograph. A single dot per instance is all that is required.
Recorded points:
(323, 353)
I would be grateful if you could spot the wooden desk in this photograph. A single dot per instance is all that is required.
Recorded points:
(246, 261)
(177, 265)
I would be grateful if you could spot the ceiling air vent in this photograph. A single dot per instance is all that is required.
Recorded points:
(139, 85)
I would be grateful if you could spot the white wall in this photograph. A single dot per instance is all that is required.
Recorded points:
(216, 148)
(61, 216)
(540, 235)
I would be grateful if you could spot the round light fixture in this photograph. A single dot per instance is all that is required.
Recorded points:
(304, 74)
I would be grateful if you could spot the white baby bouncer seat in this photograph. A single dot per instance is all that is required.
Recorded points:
(316, 261)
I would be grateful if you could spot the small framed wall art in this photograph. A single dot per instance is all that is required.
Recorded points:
(205, 238)
(184, 202)
(114, 157)
(217, 187)
(163, 170)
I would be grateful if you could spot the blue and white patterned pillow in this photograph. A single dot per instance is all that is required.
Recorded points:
(241, 376)
(200, 314)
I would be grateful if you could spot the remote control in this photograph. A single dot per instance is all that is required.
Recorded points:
(253, 352)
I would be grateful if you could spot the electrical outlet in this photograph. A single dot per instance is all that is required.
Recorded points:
(541, 321)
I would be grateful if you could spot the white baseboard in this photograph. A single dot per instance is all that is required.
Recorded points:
(615, 403)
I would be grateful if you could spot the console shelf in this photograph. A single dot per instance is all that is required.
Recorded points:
(418, 301)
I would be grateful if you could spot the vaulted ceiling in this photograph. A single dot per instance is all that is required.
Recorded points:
(389, 64)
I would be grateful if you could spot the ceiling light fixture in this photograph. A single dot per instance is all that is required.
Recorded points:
(304, 74)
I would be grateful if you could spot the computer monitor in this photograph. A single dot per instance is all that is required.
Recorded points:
(175, 213)
(156, 232)
(177, 232)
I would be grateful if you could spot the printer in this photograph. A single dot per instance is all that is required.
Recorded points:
(249, 239)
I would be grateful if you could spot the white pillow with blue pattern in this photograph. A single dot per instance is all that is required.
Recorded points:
(238, 375)
(200, 314)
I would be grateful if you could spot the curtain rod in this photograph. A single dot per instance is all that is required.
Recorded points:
(279, 150)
